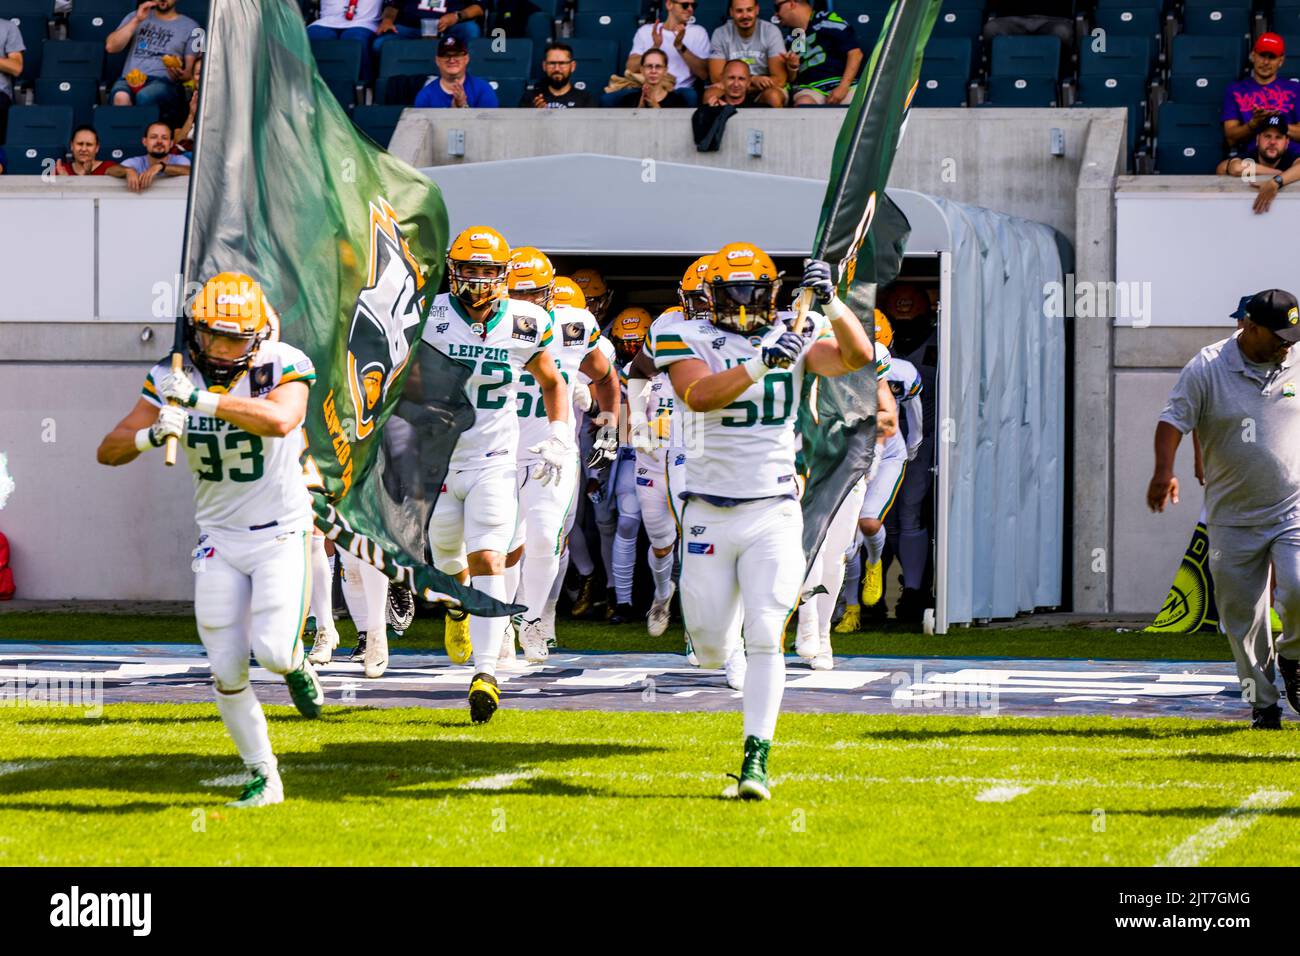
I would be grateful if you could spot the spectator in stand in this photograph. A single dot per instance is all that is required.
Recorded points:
(1033, 18)
(825, 65)
(658, 89)
(735, 86)
(1249, 102)
(557, 93)
(85, 155)
(758, 43)
(11, 64)
(163, 47)
(410, 19)
(183, 135)
(1269, 164)
(454, 87)
(355, 20)
(686, 46)
(158, 160)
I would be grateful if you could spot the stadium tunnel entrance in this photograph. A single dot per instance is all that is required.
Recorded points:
(993, 365)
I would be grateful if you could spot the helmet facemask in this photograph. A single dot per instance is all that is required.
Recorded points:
(476, 291)
(543, 296)
(743, 305)
(694, 303)
(221, 370)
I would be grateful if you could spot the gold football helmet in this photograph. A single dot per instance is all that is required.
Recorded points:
(690, 291)
(628, 331)
(741, 286)
(564, 291)
(597, 292)
(477, 264)
(531, 277)
(884, 331)
(230, 306)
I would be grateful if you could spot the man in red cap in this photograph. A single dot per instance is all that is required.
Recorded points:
(1248, 102)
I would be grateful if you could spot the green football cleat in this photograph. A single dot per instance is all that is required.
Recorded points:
(305, 689)
(484, 697)
(753, 772)
(262, 790)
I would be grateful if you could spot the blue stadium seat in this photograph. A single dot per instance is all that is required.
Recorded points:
(1129, 55)
(515, 60)
(90, 27)
(619, 27)
(541, 29)
(72, 60)
(710, 14)
(1128, 21)
(1190, 140)
(1160, 6)
(82, 95)
(121, 128)
(25, 160)
(406, 58)
(596, 60)
(1021, 91)
(1205, 56)
(338, 59)
(1291, 64)
(196, 10)
(945, 72)
(863, 13)
(868, 33)
(27, 8)
(1026, 56)
(958, 22)
(509, 89)
(378, 122)
(345, 91)
(1199, 89)
(40, 126)
(32, 29)
(1126, 91)
(1286, 21)
(1216, 21)
(941, 91)
(634, 8)
(115, 10)
(1218, 4)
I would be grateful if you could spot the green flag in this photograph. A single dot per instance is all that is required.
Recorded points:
(348, 243)
(862, 233)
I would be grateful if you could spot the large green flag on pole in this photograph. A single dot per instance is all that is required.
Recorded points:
(862, 234)
(348, 243)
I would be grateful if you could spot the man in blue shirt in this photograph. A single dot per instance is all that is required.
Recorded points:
(454, 87)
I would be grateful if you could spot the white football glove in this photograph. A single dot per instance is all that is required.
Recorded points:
(169, 424)
(581, 396)
(556, 454)
(179, 388)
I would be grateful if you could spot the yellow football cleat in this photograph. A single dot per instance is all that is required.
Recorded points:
(851, 620)
(455, 638)
(873, 583)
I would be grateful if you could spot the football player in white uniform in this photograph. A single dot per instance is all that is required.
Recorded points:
(241, 430)
(546, 509)
(498, 339)
(739, 376)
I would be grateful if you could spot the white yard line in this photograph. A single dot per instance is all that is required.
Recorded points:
(1001, 794)
(498, 781)
(1204, 843)
(8, 768)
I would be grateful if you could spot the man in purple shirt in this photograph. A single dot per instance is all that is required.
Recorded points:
(1247, 103)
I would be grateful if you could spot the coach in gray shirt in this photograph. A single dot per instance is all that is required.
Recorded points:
(1240, 395)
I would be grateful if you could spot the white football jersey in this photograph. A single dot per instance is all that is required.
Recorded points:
(495, 352)
(244, 481)
(574, 337)
(745, 450)
(905, 382)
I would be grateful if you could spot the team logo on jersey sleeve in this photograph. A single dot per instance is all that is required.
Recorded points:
(525, 329)
(385, 318)
(719, 342)
(573, 333)
(259, 379)
(442, 327)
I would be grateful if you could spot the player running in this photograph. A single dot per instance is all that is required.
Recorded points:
(241, 429)
(545, 509)
(739, 376)
(499, 339)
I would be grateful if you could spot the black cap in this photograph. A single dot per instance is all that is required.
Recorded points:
(1241, 308)
(1277, 311)
(1275, 122)
(449, 45)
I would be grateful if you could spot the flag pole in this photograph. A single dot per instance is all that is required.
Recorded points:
(178, 332)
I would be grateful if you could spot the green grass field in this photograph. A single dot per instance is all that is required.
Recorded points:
(413, 786)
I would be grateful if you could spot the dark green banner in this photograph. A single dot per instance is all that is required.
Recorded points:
(862, 234)
(348, 243)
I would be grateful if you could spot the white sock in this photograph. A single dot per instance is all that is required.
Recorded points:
(661, 569)
(246, 724)
(322, 577)
(625, 558)
(853, 578)
(809, 623)
(375, 583)
(875, 546)
(513, 575)
(913, 549)
(764, 686)
(485, 633)
(354, 592)
(561, 571)
(541, 571)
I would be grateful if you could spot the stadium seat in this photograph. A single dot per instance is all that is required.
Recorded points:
(1126, 91)
(115, 10)
(378, 122)
(1190, 140)
(345, 91)
(25, 160)
(619, 27)
(32, 30)
(868, 33)
(1217, 4)
(958, 22)
(90, 27)
(1286, 21)
(1216, 21)
(941, 91)
(541, 29)
(863, 13)
(945, 72)
(1022, 91)
(72, 60)
(339, 63)
(40, 126)
(1026, 56)
(1125, 55)
(406, 58)
(1199, 89)
(1160, 6)
(196, 10)
(27, 8)
(1291, 64)
(82, 95)
(1128, 21)
(710, 13)
(515, 60)
(509, 89)
(596, 61)
(633, 8)
(1206, 56)
(121, 128)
